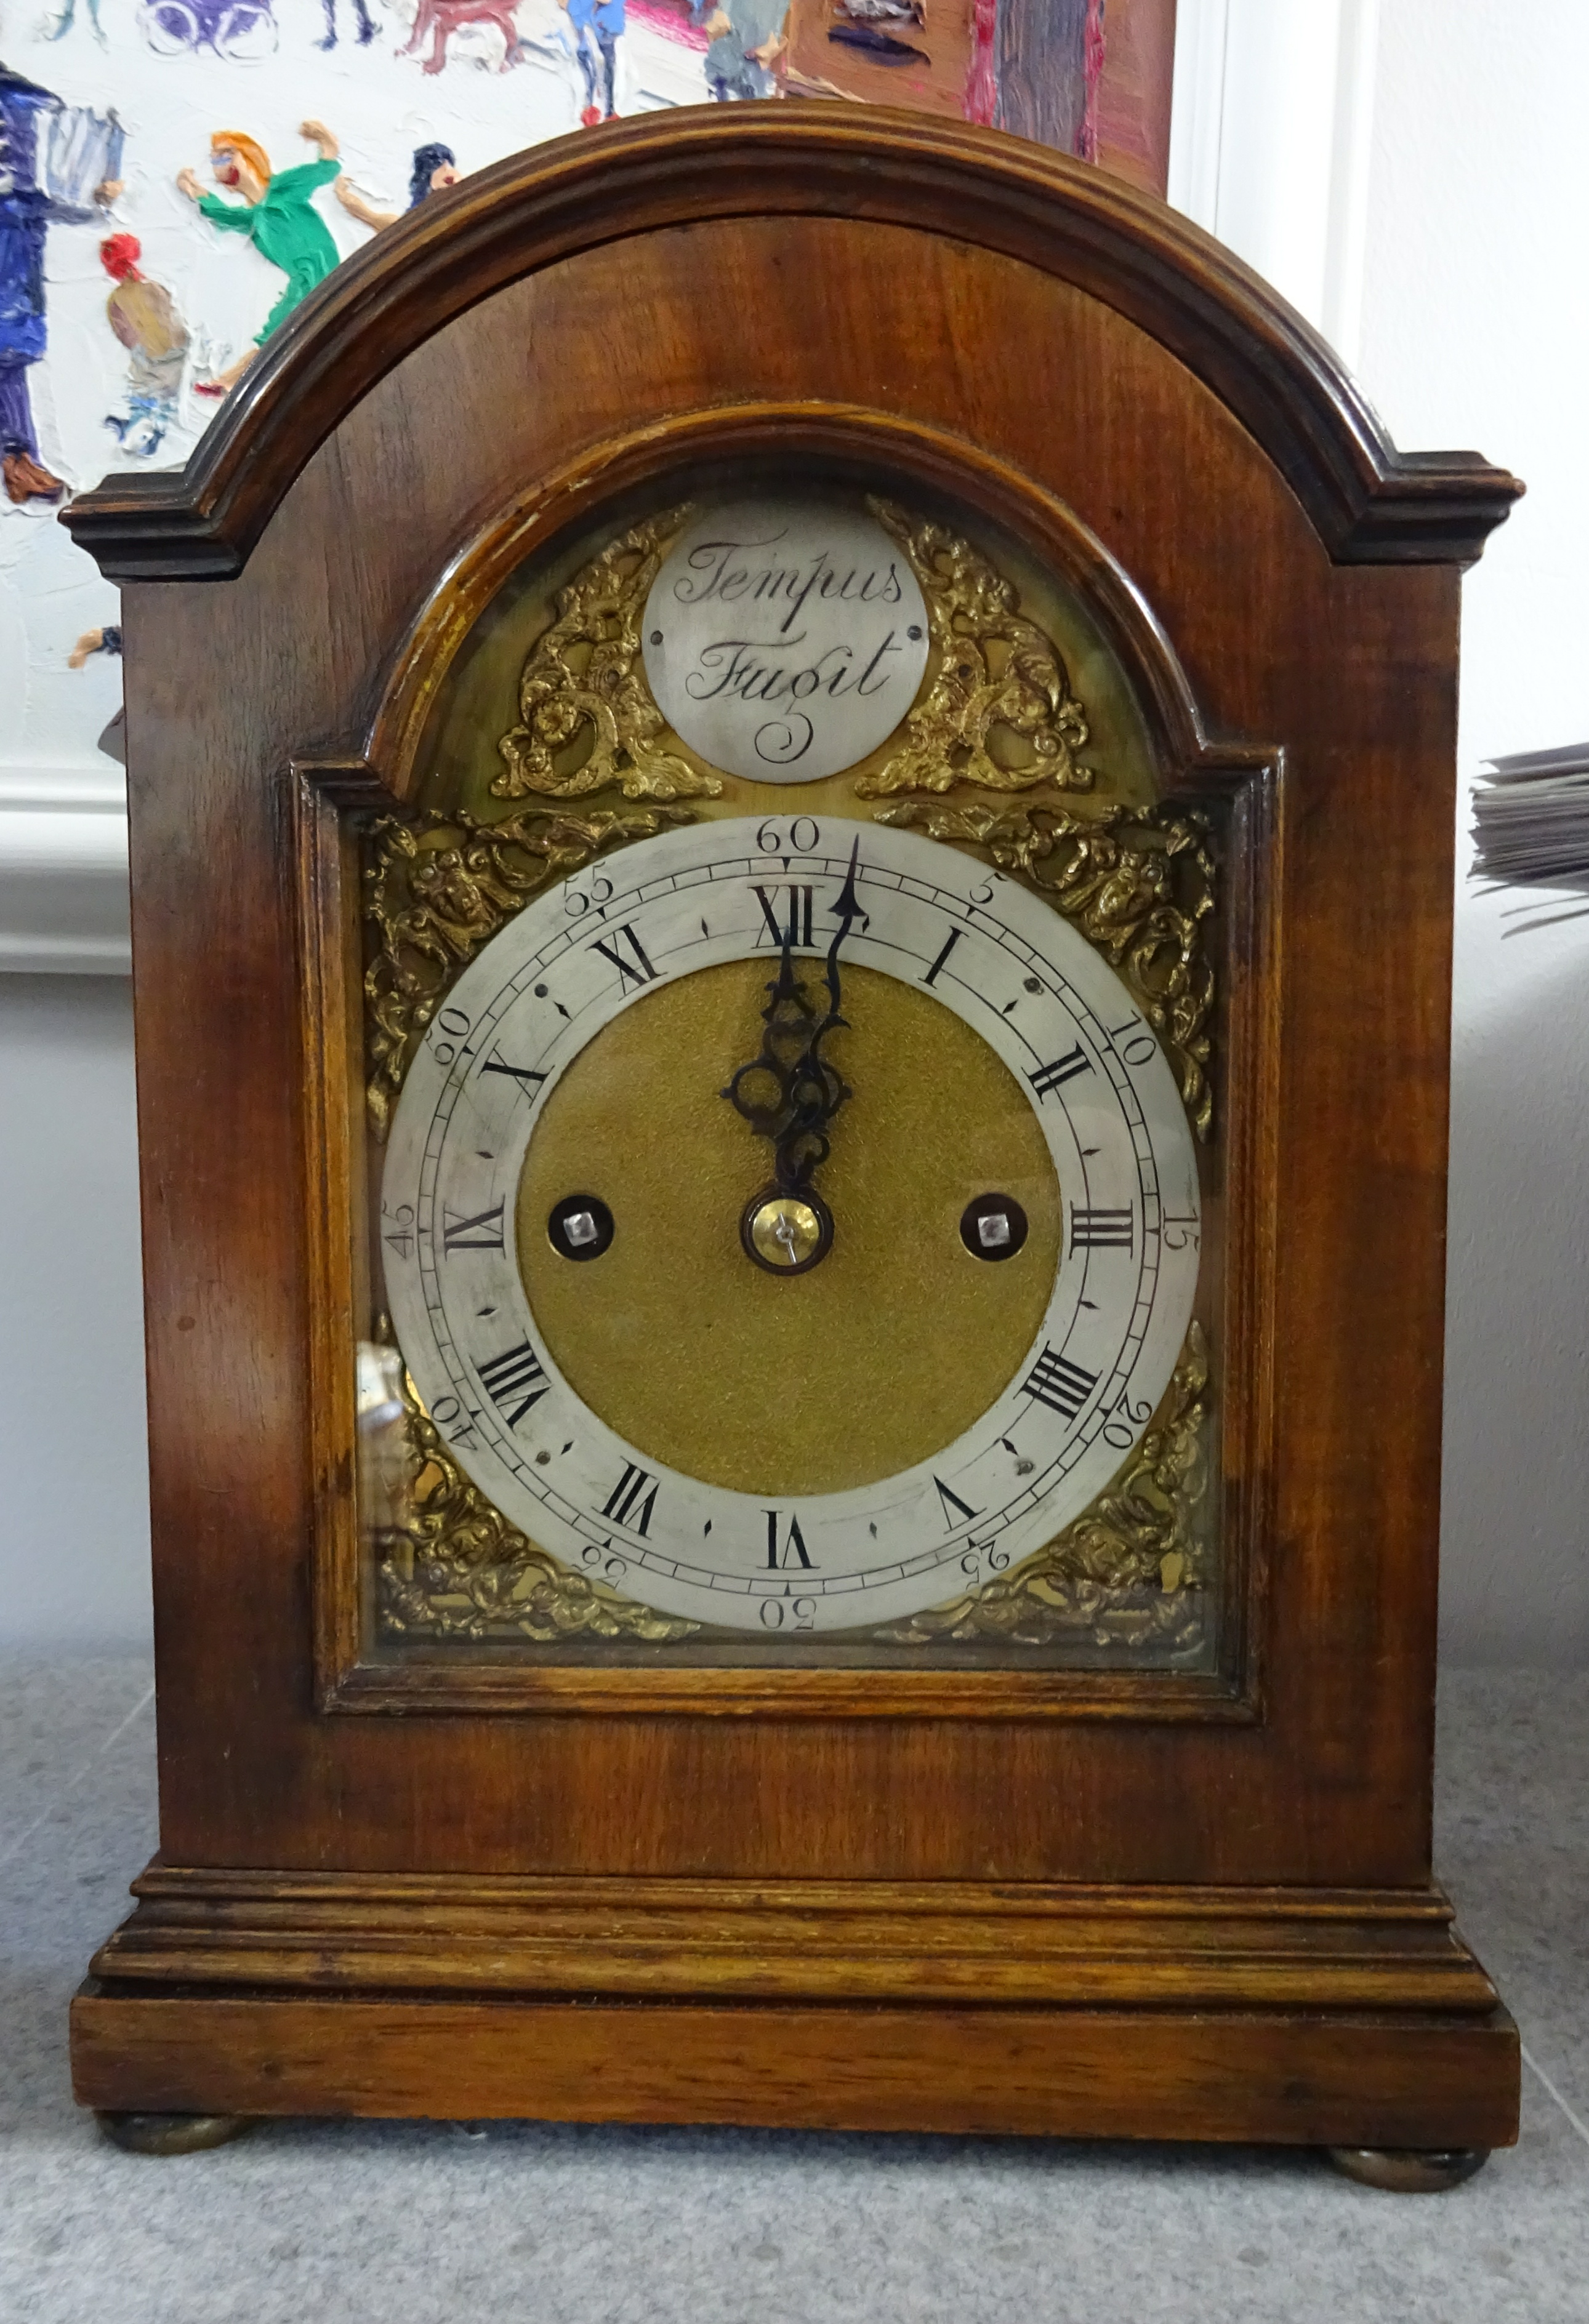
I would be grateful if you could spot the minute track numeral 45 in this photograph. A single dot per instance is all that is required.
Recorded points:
(1063, 1385)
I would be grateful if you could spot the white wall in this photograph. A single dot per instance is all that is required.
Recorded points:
(1409, 173)
(74, 1533)
(1475, 330)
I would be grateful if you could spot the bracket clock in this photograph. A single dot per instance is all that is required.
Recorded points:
(791, 788)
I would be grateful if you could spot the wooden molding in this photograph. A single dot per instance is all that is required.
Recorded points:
(872, 1941)
(1369, 503)
(1318, 2078)
(1324, 2017)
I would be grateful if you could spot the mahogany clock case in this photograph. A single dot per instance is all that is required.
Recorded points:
(1092, 1898)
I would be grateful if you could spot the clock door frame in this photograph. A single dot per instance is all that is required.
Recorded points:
(1240, 785)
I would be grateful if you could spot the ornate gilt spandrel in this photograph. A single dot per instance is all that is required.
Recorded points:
(1139, 884)
(439, 885)
(587, 721)
(1135, 1571)
(998, 711)
(447, 1564)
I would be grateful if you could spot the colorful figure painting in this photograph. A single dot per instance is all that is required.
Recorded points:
(58, 166)
(277, 213)
(144, 318)
(126, 316)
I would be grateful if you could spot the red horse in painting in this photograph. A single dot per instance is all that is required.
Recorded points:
(438, 20)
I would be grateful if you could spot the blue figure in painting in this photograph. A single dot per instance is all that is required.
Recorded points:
(745, 37)
(366, 24)
(59, 165)
(436, 167)
(67, 16)
(597, 26)
(240, 30)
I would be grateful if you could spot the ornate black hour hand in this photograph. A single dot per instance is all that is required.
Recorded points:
(789, 1094)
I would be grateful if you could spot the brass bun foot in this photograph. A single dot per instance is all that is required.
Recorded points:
(173, 2133)
(1408, 2170)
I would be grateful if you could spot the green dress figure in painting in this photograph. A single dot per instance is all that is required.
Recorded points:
(277, 213)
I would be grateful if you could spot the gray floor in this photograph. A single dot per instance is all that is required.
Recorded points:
(426, 2223)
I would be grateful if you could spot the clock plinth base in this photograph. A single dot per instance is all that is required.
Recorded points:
(172, 2134)
(1409, 2171)
(1343, 2019)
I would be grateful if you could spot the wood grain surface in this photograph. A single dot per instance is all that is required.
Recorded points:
(1286, 587)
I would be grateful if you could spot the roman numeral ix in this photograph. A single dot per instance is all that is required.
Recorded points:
(515, 1379)
(1062, 1386)
(636, 970)
(481, 1232)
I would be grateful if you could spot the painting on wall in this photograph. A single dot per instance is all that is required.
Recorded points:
(177, 175)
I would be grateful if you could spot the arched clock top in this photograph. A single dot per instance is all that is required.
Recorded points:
(1368, 501)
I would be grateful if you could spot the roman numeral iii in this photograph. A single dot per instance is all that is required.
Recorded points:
(1101, 1230)
(634, 970)
(514, 1381)
(1062, 1386)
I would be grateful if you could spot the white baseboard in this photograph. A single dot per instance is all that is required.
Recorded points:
(63, 871)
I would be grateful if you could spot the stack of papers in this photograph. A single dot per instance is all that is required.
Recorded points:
(1531, 818)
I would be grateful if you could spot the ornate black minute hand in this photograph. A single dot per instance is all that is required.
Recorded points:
(789, 1094)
